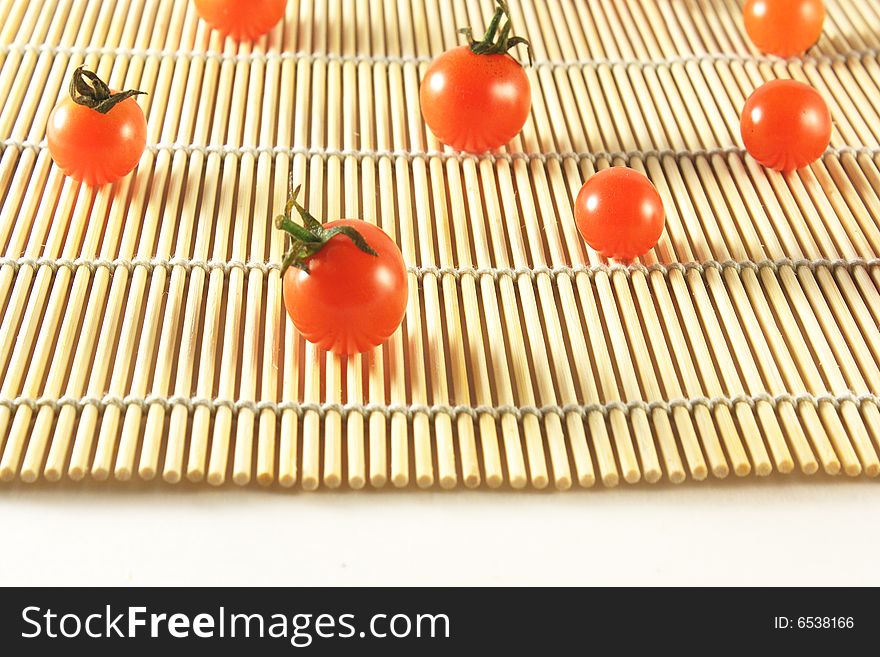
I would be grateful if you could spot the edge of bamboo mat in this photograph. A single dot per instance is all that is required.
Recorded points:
(142, 335)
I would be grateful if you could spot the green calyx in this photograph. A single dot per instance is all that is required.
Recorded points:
(88, 90)
(311, 237)
(498, 39)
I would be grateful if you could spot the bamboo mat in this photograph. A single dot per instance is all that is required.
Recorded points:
(141, 325)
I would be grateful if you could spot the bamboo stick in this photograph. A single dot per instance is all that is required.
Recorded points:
(218, 193)
(273, 128)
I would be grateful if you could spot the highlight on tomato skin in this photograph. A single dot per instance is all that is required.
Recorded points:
(784, 27)
(619, 213)
(242, 20)
(96, 135)
(477, 98)
(785, 125)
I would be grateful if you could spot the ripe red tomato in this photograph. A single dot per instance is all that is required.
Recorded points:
(96, 135)
(346, 287)
(475, 103)
(785, 125)
(619, 213)
(477, 97)
(784, 27)
(242, 20)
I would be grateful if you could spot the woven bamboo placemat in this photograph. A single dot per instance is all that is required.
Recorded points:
(142, 329)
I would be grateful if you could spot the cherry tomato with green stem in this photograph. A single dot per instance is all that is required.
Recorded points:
(345, 282)
(785, 125)
(477, 97)
(619, 213)
(96, 135)
(243, 20)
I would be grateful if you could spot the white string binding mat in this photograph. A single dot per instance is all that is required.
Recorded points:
(457, 272)
(264, 57)
(450, 155)
(410, 411)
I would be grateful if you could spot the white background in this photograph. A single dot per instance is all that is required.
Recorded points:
(775, 531)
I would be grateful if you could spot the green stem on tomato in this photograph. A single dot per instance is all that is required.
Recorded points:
(493, 42)
(88, 90)
(306, 240)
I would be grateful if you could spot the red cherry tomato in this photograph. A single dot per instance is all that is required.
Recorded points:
(785, 125)
(345, 284)
(349, 301)
(475, 103)
(477, 98)
(95, 135)
(784, 27)
(619, 213)
(242, 20)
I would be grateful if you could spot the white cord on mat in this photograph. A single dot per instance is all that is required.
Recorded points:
(593, 156)
(98, 51)
(420, 272)
(410, 410)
